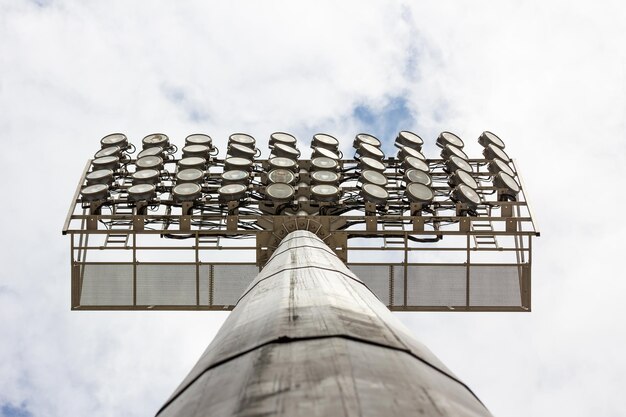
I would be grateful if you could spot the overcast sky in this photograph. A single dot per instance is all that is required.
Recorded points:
(547, 76)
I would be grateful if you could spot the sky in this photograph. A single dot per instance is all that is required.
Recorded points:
(549, 77)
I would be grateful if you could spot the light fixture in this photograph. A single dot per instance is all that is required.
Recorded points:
(465, 195)
(327, 153)
(281, 175)
(114, 139)
(231, 192)
(146, 176)
(450, 150)
(322, 140)
(419, 193)
(155, 139)
(149, 162)
(106, 162)
(369, 176)
(406, 151)
(365, 138)
(325, 192)
(279, 192)
(141, 192)
(201, 151)
(507, 186)
(498, 165)
(411, 162)
(373, 193)
(365, 149)
(409, 139)
(101, 176)
(492, 152)
(371, 163)
(286, 151)
(94, 192)
(192, 162)
(108, 151)
(241, 151)
(462, 177)
(323, 163)
(154, 151)
(242, 139)
(282, 137)
(449, 138)
(324, 177)
(189, 175)
(235, 176)
(282, 162)
(454, 162)
(416, 175)
(199, 139)
(187, 191)
(487, 138)
(236, 162)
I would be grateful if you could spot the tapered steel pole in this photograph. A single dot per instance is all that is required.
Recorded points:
(308, 338)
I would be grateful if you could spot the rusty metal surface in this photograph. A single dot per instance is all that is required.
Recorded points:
(309, 338)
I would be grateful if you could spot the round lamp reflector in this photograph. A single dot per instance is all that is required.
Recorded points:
(108, 151)
(323, 163)
(279, 192)
(235, 176)
(371, 163)
(106, 162)
(365, 149)
(242, 139)
(409, 139)
(324, 177)
(192, 162)
(493, 152)
(322, 140)
(373, 193)
(507, 183)
(186, 192)
(410, 162)
(416, 175)
(282, 162)
(101, 176)
(419, 193)
(141, 192)
(325, 192)
(365, 138)
(281, 175)
(487, 138)
(189, 175)
(95, 192)
(199, 139)
(498, 165)
(451, 150)
(232, 192)
(454, 163)
(287, 151)
(463, 177)
(237, 163)
(464, 194)
(369, 176)
(149, 162)
(154, 151)
(449, 138)
(241, 151)
(155, 139)
(201, 151)
(405, 152)
(146, 176)
(282, 137)
(323, 152)
(114, 139)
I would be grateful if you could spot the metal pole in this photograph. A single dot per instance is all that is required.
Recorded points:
(308, 338)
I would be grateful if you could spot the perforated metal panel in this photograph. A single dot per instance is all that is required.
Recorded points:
(104, 284)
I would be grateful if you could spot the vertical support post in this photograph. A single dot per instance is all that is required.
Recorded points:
(134, 269)
(467, 274)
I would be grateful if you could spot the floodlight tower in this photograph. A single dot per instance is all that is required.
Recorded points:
(312, 333)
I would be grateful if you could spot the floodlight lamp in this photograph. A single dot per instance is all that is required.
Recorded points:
(365, 138)
(282, 162)
(281, 175)
(154, 151)
(373, 193)
(419, 193)
(454, 163)
(101, 176)
(282, 137)
(327, 153)
(322, 140)
(487, 138)
(189, 175)
(142, 192)
(286, 151)
(462, 177)
(114, 139)
(449, 138)
(279, 192)
(106, 162)
(416, 175)
(411, 162)
(324, 177)
(155, 139)
(201, 151)
(235, 162)
(493, 152)
(95, 192)
(365, 149)
(146, 176)
(507, 186)
(199, 139)
(231, 192)
(410, 140)
(241, 151)
(465, 195)
(236, 176)
(498, 165)
(369, 176)
(406, 151)
(242, 139)
(450, 150)
(371, 163)
(325, 192)
(108, 151)
(186, 192)
(192, 162)
(149, 162)
(323, 163)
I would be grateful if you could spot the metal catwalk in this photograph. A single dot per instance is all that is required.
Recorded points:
(308, 338)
